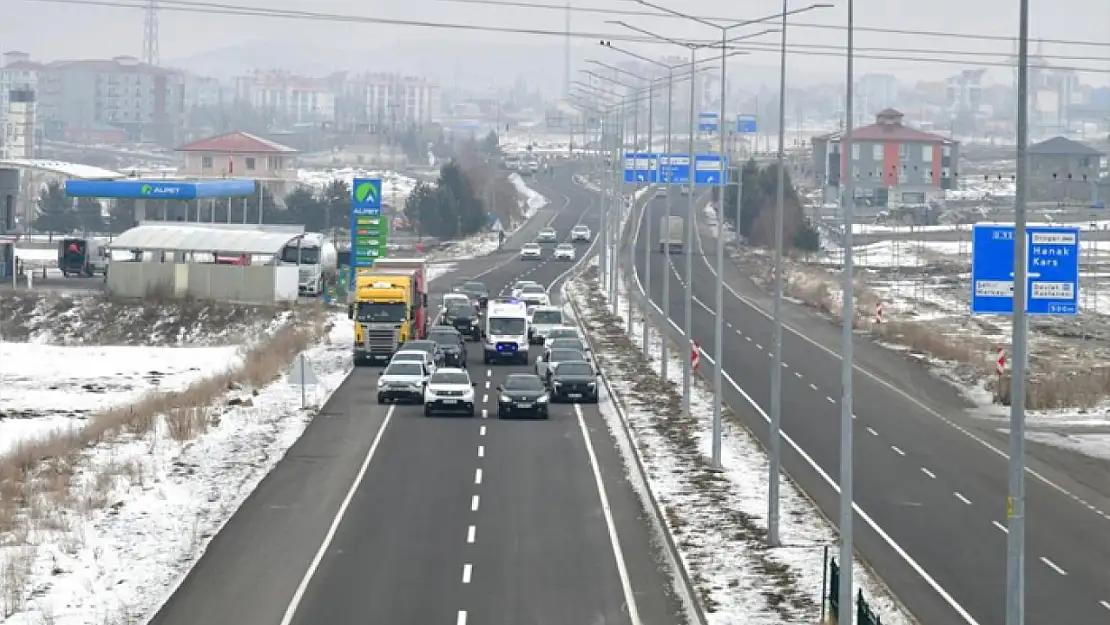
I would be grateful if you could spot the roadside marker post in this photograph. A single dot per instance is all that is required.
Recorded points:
(694, 357)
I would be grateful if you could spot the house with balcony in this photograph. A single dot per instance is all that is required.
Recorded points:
(891, 164)
(242, 155)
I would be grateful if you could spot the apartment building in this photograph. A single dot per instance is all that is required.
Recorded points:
(392, 100)
(17, 73)
(289, 98)
(890, 163)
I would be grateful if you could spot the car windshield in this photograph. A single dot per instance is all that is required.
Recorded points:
(548, 231)
(445, 339)
(560, 355)
(574, 368)
(301, 255)
(580, 228)
(409, 356)
(420, 346)
(450, 377)
(547, 317)
(404, 368)
(567, 343)
(523, 383)
(531, 246)
(557, 333)
(532, 289)
(372, 312)
(506, 325)
(457, 308)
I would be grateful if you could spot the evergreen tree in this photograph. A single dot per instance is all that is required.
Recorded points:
(55, 213)
(89, 217)
(335, 203)
(301, 207)
(121, 215)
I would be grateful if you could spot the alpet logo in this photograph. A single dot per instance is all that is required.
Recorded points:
(366, 193)
(146, 189)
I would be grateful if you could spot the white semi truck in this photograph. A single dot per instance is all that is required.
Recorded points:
(318, 260)
(670, 235)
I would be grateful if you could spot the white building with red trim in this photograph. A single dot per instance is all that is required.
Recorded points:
(242, 155)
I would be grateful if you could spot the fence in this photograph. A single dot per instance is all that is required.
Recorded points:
(864, 614)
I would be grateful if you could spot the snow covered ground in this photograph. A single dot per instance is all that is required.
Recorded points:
(395, 187)
(146, 505)
(717, 520)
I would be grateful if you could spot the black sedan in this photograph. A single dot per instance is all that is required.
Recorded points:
(450, 342)
(573, 381)
(466, 320)
(522, 395)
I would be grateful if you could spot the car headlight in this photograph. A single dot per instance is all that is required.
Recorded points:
(381, 383)
(593, 384)
(505, 399)
(542, 399)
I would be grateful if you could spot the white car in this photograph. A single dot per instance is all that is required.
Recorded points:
(402, 381)
(542, 321)
(534, 295)
(449, 390)
(564, 251)
(414, 355)
(580, 233)
(547, 235)
(453, 297)
(531, 251)
(518, 288)
(561, 332)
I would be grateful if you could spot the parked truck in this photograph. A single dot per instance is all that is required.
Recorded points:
(389, 306)
(670, 235)
(82, 257)
(317, 259)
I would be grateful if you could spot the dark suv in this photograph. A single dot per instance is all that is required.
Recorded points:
(465, 319)
(573, 381)
(475, 291)
(451, 344)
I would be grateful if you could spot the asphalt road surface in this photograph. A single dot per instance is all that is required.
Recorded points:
(922, 475)
(450, 520)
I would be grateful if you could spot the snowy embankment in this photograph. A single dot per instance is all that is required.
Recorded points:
(396, 187)
(486, 242)
(717, 519)
(107, 532)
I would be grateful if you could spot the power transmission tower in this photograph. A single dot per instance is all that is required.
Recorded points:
(150, 33)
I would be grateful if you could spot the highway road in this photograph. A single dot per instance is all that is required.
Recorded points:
(933, 492)
(381, 515)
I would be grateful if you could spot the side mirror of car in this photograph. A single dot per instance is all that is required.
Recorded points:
(473, 385)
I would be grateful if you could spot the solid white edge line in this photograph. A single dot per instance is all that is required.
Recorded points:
(891, 387)
(298, 595)
(866, 518)
(607, 511)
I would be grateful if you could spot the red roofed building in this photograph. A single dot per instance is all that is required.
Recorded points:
(890, 163)
(242, 155)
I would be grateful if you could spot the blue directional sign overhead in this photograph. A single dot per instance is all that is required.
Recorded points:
(1052, 257)
(707, 122)
(651, 168)
(746, 124)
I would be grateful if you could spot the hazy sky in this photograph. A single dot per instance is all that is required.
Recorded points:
(49, 30)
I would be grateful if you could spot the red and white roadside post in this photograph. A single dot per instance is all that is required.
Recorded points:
(999, 366)
(694, 357)
(879, 312)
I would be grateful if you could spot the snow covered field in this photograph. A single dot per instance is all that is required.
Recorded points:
(717, 520)
(142, 508)
(395, 187)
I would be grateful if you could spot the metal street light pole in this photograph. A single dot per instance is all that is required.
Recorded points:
(775, 444)
(1015, 537)
(846, 358)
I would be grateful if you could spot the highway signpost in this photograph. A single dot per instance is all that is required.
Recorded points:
(708, 122)
(746, 124)
(654, 168)
(369, 229)
(1052, 261)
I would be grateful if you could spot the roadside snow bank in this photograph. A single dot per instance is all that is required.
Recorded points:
(149, 503)
(717, 519)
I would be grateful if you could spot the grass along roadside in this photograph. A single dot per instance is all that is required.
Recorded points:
(57, 492)
(717, 519)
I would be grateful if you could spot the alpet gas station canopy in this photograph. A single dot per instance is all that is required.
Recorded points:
(160, 189)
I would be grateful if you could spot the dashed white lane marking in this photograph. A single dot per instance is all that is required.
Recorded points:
(474, 503)
(785, 366)
(1105, 604)
(477, 476)
(962, 498)
(467, 571)
(485, 413)
(461, 620)
(481, 451)
(485, 398)
(482, 430)
(487, 385)
(831, 400)
(854, 416)
(470, 532)
(1052, 565)
(798, 374)
(872, 432)
(931, 475)
(897, 451)
(489, 373)
(813, 386)
(1005, 530)
(748, 338)
(758, 346)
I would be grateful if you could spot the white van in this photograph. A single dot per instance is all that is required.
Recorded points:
(506, 333)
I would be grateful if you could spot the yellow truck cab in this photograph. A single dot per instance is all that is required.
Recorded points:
(383, 307)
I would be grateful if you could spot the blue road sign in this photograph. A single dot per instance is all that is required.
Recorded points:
(1052, 254)
(746, 124)
(707, 122)
(366, 196)
(650, 168)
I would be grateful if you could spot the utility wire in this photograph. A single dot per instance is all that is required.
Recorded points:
(221, 8)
